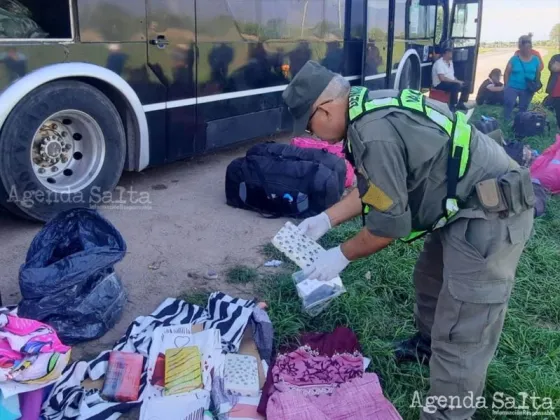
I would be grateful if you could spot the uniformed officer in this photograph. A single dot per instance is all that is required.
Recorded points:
(422, 169)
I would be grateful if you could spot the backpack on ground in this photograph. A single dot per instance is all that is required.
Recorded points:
(530, 123)
(281, 180)
(487, 124)
(336, 149)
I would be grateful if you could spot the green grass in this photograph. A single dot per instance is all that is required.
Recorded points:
(199, 298)
(241, 275)
(380, 310)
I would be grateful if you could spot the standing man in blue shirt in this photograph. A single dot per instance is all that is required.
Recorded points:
(522, 72)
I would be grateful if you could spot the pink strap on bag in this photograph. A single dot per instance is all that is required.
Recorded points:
(335, 149)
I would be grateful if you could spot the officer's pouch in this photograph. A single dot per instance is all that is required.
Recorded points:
(490, 196)
(518, 190)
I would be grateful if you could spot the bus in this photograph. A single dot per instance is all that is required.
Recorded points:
(92, 88)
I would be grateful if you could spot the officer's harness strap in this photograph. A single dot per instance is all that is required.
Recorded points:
(458, 130)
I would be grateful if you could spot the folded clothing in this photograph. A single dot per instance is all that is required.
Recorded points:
(312, 373)
(341, 340)
(361, 398)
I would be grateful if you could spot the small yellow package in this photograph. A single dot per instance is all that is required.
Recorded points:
(182, 370)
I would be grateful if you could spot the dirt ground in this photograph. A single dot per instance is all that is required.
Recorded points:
(188, 230)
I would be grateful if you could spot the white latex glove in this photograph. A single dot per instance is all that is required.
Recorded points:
(315, 227)
(328, 265)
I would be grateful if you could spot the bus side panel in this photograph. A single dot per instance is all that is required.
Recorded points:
(18, 60)
(249, 50)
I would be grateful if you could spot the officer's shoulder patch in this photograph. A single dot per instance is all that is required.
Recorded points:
(377, 198)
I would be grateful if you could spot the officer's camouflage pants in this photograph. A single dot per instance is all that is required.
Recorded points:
(463, 280)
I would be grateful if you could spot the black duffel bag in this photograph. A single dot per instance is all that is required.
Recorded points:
(281, 180)
(530, 123)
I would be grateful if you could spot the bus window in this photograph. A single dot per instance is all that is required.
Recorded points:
(421, 21)
(431, 15)
(417, 20)
(357, 19)
(465, 25)
(377, 42)
(311, 20)
(399, 45)
(334, 19)
(440, 16)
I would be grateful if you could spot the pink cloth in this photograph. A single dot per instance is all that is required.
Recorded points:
(361, 398)
(335, 149)
(305, 367)
(341, 340)
(546, 168)
(20, 335)
(30, 350)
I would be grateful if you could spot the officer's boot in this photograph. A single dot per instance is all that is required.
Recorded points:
(416, 348)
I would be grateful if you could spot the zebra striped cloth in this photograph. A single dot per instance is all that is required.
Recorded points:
(68, 400)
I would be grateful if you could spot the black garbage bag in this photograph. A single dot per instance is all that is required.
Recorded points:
(68, 280)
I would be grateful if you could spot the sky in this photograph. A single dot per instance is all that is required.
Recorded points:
(507, 20)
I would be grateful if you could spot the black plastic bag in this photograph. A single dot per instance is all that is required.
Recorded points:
(68, 280)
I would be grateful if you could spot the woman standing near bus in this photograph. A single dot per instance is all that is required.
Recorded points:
(522, 78)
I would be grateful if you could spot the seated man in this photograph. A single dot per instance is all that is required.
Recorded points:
(443, 78)
(491, 91)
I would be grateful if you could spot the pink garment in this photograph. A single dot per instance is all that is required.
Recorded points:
(361, 398)
(335, 149)
(305, 367)
(20, 335)
(546, 168)
(341, 340)
(30, 351)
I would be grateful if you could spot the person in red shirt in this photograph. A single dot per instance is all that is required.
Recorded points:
(553, 87)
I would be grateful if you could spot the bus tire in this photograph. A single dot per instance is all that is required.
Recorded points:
(63, 146)
(411, 74)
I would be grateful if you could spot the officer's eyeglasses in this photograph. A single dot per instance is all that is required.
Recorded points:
(313, 114)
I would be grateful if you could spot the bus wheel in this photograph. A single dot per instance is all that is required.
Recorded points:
(410, 75)
(62, 146)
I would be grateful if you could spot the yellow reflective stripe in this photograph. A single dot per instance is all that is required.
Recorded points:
(413, 235)
(356, 100)
(381, 103)
(440, 120)
(412, 99)
(462, 138)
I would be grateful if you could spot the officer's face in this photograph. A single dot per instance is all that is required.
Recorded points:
(328, 121)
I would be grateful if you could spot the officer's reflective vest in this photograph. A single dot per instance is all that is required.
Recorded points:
(458, 130)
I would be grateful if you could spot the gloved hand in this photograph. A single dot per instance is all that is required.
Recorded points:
(315, 226)
(328, 265)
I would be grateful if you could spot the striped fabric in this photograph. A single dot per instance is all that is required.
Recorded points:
(229, 316)
(68, 400)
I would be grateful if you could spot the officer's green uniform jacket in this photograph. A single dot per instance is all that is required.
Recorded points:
(401, 161)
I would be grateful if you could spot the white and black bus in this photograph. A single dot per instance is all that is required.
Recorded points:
(90, 88)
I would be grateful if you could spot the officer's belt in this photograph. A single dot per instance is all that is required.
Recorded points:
(509, 194)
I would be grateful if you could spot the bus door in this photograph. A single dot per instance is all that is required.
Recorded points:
(172, 58)
(465, 26)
